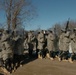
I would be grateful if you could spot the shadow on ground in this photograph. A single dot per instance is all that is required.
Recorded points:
(28, 59)
(1, 74)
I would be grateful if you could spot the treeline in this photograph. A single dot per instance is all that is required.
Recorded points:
(58, 27)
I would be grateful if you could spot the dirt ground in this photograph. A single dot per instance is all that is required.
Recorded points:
(46, 67)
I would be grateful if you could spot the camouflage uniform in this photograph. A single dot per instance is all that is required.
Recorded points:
(60, 44)
(40, 39)
(34, 42)
(50, 43)
(31, 38)
(64, 41)
(7, 52)
(73, 42)
(18, 50)
(73, 45)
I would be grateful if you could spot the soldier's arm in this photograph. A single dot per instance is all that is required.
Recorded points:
(51, 37)
(40, 38)
(33, 38)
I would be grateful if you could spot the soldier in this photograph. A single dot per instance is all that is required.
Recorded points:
(61, 39)
(72, 45)
(64, 41)
(7, 52)
(45, 43)
(18, 50)
(31, 38)
(60, 43)
(40, 39)
(50, 44)
(34, 42)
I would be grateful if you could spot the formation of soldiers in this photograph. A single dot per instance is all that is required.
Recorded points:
(14, 45)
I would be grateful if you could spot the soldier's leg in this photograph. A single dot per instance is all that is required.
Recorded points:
(43, 53)
(30, 52)
(60, 55)
(70, 57)
(8, 64)
(11, 66)
(15, 61)
(73, 56)
(52, 55)
(40, 54)
(5, 65)
(37, 52)
(1, 64)
(57, 53)
(48, 54)
(65, 56)
(11, 62)
(21, 60)
(18, 61)
(30, 49)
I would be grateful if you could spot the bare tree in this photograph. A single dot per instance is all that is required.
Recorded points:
(18, 11)
(8, 12)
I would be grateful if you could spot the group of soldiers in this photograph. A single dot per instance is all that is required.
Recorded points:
(13, 47)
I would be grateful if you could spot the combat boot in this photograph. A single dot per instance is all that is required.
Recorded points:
(14, 69)
(48, 56)
(59, 58)
(39, 56)
(5, 71)
(56, 56)
(51, 58)
(70, 60)
(21, 65)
